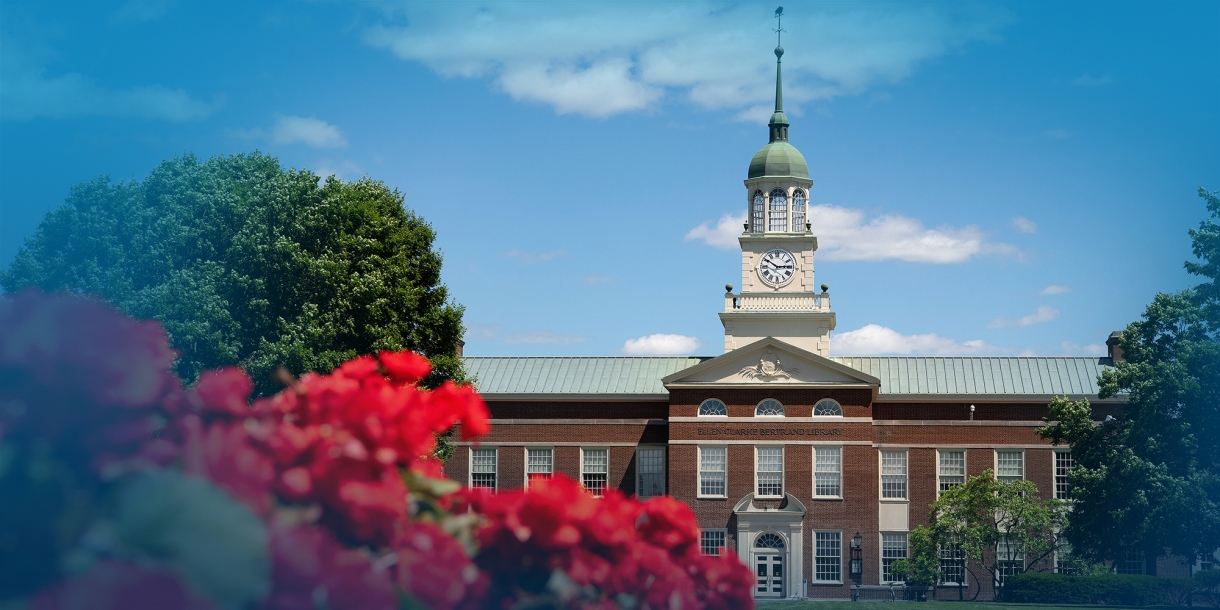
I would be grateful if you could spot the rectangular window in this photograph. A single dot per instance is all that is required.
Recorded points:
(711, 471)
(828, 557)
(712, 542)
(770, 473)
(1064, 564)
(798, 212)
(595, 470)
(1063, 465)
(1010, 559)
(952, 565)
(778, 216)
(893, 548)
(756, 214)
(539, 464)
(952, 470)
(894, 474)
(483, 468)
(1130, 562)
(650, 472)
(1010, 466)
(827, 472)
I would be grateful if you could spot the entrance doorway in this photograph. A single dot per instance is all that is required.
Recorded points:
(769, 565)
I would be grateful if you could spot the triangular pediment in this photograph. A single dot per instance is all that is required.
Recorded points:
(770, 361)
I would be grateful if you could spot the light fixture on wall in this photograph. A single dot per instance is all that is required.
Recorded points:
(857, 565)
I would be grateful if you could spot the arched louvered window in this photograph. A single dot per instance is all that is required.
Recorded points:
(798, 210)
(769, 408)
(778, 217)
(756, 213)
(828, 407)
(769, 541)
(713, 408)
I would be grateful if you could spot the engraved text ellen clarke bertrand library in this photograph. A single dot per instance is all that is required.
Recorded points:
(783, 450)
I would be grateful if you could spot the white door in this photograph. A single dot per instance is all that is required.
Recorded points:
(769, 566)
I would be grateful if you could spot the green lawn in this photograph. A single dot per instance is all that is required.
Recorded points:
(846, 605)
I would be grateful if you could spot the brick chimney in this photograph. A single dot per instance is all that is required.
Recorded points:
(1114, 351)
(460, 344)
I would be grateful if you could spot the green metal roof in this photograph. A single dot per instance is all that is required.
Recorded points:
(982, 375)
(574, 375)
(779, 159)
(899, 375)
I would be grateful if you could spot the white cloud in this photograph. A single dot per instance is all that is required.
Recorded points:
(723, 235)
(1085, 80)
(877, 340)
(661, 345)
(845, 235)
(1044, 314)
(600, 59)
(309, 131)
(344, 170)
(1024, 224)
(1053, 289)
(482, 331)
(542, 336)
(1091, 349)
(29, 93)
(534, 257)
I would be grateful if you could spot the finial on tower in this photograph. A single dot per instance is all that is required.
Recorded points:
(779, 123)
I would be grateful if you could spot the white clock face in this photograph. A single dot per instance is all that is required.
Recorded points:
(776, 267)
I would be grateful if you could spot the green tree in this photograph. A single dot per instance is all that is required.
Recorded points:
(923, 568)
(1001, 527)
(247, 263)
(1149, 479)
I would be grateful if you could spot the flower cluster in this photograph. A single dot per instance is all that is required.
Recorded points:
(560, 545)
(137, 493)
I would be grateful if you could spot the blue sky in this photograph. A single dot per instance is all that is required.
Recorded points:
(990, 178)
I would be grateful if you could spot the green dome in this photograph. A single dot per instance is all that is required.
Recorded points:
(779, 159)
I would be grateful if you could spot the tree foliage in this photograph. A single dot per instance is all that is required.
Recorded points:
(1149, 479)
(247, 263)
(994, 522)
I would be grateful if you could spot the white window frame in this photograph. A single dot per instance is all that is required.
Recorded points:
(1005, 571)
(639, 484)
(906, 475)
(551, 474)
(724, 535)
(495, 456)
(881, 555)
(781, 471)
(798, 226)
(699, 413)
(996, 458)
(774, 215)
(815, 558)
(583, 452)
(1066, 495)
(939, 465)
(940, 558)
(699, 471)
(814, 410)
(839, 472)
(783, 410)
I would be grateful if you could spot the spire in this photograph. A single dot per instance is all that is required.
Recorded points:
(778, 125)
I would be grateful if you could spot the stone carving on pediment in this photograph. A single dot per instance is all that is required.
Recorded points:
(769, 368)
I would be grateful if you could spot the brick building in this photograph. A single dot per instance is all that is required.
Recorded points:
(783, 451)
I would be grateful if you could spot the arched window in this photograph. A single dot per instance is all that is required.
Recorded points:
(713, 408)
(756, 213)
(779, 211)
(828, 407)
(769, 541)
(798, 210)
(769, 408)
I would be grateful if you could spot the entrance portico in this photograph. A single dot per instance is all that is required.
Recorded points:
(771, 542)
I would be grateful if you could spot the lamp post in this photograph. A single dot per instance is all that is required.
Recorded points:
(857, 566)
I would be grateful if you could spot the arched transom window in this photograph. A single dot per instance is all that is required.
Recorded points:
(713, 408)
(769, 541)
(798, 210)
(756, 213)
(769, 408)
(778, 217)
(827, 407)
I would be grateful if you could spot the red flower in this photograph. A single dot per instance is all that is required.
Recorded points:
(405, 367)
(433, 567)
(312, 570)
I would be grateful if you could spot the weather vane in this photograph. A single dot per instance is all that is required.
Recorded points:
(779, 20)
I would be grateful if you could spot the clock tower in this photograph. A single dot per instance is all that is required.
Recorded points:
(778, 298)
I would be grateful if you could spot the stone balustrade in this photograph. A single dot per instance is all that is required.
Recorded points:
(778, 301)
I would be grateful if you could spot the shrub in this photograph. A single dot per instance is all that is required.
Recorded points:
(1111, 589)
(1207, 586)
